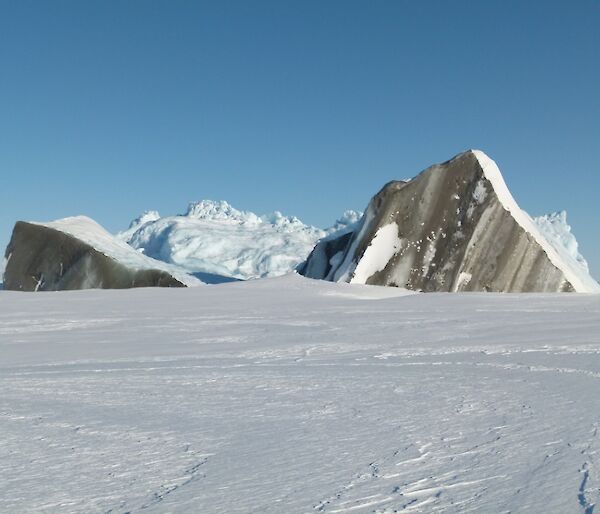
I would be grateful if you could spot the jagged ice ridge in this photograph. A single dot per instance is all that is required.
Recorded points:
(213, 237)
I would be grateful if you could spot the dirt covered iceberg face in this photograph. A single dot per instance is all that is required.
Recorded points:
(77, 253)
(455, 227)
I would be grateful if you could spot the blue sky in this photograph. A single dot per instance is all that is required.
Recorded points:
(112, 108)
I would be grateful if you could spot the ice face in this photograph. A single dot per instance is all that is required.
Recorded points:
(214, 237)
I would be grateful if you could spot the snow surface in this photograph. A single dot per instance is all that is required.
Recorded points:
(562, 259)
(214, 237)
(90, 232)
(289, 395)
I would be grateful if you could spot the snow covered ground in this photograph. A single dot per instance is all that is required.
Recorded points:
(288, 395)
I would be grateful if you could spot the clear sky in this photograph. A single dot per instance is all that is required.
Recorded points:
(111, 108)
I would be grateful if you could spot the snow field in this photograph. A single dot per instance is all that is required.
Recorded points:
(298, 396)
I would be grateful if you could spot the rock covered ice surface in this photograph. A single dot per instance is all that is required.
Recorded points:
(215, 238)
(457, 228)
(77, 253)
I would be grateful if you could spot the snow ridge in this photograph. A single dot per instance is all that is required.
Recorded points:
(220, 210)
